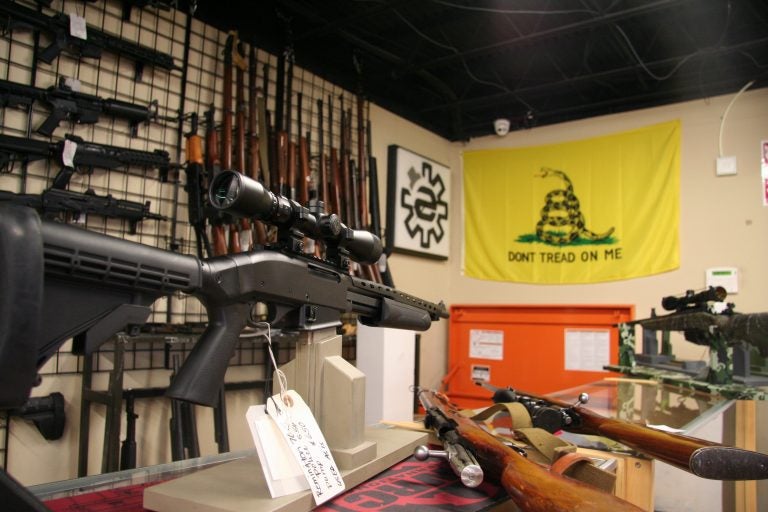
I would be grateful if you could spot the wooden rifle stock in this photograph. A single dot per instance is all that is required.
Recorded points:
(350, 185)
(254, 162)
(322, 170)
(246, 234)
(254, 158)
(195, 188)
(213, 167)
(702, 458)
(240, 65)
(290, 191)
(361, 165)
(291, 172)
(267, 135)
(226, 130)
(531, 486)
(335, 187)
(302, 190)
(345, 206)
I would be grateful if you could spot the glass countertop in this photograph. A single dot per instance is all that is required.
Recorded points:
(648, 402)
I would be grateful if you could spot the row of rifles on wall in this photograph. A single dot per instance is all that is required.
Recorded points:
(277, 154)
(65, 102)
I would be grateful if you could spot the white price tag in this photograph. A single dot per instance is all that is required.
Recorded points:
(281, 471)
(306, 441)
(77, 27)
(68, 153)
(73, 84)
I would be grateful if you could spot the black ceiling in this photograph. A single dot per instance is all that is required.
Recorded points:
(453, 66)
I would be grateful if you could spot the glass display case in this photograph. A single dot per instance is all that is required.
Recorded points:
(648, 402)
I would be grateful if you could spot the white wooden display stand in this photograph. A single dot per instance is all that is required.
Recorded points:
(387, 358)
(335, 392)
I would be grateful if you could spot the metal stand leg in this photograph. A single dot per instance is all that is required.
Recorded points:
(113, 400)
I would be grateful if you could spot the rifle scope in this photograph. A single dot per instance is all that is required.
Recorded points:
(713, 293)
(241, 196)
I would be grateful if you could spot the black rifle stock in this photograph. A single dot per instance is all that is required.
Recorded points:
(702, 458)
(530, 486)
(96, 285)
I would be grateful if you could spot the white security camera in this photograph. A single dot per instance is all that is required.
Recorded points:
(501, 126)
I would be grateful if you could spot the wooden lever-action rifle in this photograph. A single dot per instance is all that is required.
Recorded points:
(336, 190)
(322, 169)
(303, 184)
(255, 169)
(226, 130)
(702, 458)
(238, 59)
(532, 487)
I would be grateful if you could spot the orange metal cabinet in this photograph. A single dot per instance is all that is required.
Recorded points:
(536, 348)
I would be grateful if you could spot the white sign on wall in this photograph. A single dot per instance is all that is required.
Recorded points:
(485, 344)
(587, 350)
(418, 196)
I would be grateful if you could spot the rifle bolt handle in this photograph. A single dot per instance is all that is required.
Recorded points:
(422, 453)
(583, 398)
(464, 465)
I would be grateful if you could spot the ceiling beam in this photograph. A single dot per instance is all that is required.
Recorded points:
(495, 99)
(534, 37)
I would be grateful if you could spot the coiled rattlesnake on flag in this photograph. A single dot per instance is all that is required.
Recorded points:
(561, 218)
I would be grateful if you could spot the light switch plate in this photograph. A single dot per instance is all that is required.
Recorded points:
(726, 166)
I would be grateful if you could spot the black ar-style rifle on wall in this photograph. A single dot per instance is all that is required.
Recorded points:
(70, 105)
(16, 16)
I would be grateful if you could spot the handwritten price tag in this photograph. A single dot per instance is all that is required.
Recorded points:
(68, 153)
(307, 443)
(77, 26)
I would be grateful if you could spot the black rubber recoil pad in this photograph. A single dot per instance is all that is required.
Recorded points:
(728, 463)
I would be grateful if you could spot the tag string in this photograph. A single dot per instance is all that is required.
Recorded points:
(282, 380)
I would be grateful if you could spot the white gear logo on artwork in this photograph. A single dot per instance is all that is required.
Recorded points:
(427, 208)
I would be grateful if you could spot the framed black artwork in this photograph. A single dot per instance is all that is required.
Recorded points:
(418, 197)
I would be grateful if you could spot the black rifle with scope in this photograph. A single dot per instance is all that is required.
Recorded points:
(694, 301)
(89, 286)
(694, 314)
(69, 105)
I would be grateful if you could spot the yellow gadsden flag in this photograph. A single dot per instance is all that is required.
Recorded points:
(586, 211)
